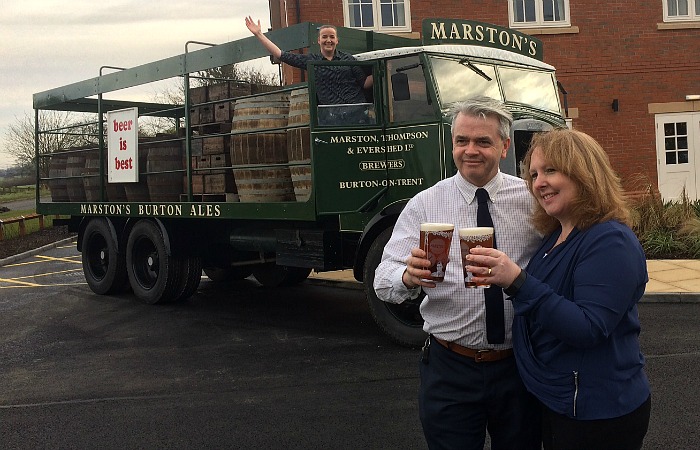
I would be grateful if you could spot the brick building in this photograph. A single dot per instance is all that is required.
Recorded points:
(631, 69)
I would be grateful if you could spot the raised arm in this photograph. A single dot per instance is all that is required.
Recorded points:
(257, 32)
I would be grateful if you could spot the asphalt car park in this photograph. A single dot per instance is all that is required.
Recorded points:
(239, 366)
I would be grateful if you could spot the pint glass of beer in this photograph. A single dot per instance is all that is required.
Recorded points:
(435, 240)
(468, 239)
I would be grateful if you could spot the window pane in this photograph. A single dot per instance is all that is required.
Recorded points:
(518, 11)
(393, 13)
(529, 87)
(670, 157)
(457, 82)
(682, 7)
(548, 9)
(559, 11)
(367, 16)
(354, 16)
(672, 7)
(683, 142)
(387, 13)
(670, 143)
(681, 128)
(683, 157)
(553, 10)
(400, 15)
(669, 129)
(530, 15)
(360, 13)
(418, 107)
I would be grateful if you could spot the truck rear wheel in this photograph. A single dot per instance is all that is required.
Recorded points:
(153, 274)
(190, 278)
(103, 265)
(401, 322)
(271, 275)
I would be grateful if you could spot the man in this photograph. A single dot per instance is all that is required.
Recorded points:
(334, 85)
(468, 384)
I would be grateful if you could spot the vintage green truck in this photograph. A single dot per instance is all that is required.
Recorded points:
(259, 181)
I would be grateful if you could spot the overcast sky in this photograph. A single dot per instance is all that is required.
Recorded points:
(46, 44)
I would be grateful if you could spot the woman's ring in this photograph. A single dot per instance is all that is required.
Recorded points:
(489, 271)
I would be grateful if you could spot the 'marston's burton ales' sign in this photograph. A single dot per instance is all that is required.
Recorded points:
(442, 31)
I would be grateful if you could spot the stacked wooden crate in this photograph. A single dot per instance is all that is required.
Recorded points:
(210, 117)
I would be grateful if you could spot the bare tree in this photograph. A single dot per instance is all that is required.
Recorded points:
(58, 130)
(175, 94)
(233, 72)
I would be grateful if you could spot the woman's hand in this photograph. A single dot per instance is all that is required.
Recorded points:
(491, 266)
(252, 26)
(417, 270)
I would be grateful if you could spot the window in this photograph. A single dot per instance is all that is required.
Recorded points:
(539, 13)
(678, 10)
(676, 142)
(415, 105)
(380, 15)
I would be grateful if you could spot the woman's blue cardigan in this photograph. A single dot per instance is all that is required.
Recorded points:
(576, 327)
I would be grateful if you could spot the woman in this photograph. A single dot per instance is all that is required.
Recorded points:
(576, 329)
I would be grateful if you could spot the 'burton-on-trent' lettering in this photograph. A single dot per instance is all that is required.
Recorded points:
(368, 184)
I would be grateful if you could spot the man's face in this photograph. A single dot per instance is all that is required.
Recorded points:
(477, 148)
(328, 41)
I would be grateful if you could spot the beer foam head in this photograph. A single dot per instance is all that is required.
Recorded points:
(476, 231)
(436, 226)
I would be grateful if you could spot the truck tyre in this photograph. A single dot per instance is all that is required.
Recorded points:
(103, 265)
(271, 275)
(401, 322)
(190, 278)
(227, 274)
(153, 274)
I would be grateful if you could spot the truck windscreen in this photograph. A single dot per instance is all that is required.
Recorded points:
(458, 80)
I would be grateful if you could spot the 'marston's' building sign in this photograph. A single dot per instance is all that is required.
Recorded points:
(443, 31)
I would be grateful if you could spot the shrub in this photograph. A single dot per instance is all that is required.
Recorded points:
(667, 230)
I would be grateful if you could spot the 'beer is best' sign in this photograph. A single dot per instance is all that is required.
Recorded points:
(122, 145)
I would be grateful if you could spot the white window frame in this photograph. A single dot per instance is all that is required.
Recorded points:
(539, 17)
(693, 15)
(376, 11)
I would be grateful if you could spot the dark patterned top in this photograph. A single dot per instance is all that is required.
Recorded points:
(334, 85)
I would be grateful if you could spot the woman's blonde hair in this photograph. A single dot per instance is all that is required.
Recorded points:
(581, 158)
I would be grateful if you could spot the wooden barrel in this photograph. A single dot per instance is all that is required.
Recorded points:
(116, 192)
(261, 184)
(299, 144)
(162, 157)
(91, 176)
(138, 192)
(57, 170)
(75, 166)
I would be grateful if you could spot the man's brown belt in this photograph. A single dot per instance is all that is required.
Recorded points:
(477, 355)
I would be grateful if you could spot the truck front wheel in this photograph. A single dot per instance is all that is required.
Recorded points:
(103, 265)
(401, 322)
(153, 274)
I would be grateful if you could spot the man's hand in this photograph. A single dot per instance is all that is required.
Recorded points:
(416, 272)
